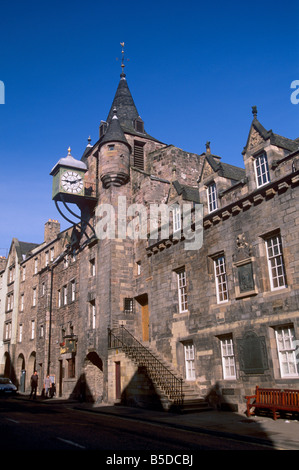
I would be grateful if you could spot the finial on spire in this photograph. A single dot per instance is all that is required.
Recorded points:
(115, 113)
(69, 150)
(122, 59)
(254, 111)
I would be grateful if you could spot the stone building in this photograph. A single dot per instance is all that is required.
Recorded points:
(201, 307)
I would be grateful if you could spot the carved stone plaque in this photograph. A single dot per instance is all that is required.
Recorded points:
(252, 353)
(245, 277)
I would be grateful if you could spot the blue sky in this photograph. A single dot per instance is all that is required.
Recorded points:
(195, 69)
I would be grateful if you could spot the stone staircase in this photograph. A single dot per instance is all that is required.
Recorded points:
(174, 392)
(192, 401)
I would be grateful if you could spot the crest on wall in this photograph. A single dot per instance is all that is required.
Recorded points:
(243, 248)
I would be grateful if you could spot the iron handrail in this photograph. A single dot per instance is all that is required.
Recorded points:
(157, 371)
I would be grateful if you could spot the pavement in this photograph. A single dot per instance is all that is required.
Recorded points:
(280, 434)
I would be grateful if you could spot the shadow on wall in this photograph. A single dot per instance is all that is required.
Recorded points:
(216, 399)
(9, 370)
(89, 387)
(82, 391)
(141, 392)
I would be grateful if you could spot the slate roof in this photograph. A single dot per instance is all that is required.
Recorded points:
(188, 192)
(24, 249)
(126, 109)
(114, 132)
(124, 103)
(275, 139)
(126, 112)
(225, 169)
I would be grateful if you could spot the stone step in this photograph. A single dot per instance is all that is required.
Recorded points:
(192, 401)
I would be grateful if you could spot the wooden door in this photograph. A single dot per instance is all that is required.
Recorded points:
(117, 381)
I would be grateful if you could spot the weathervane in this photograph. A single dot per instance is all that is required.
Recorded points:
(122, 58)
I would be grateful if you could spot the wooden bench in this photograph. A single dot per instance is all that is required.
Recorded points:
(274, 399)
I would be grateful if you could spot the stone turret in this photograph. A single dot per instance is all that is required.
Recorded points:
(114, 155)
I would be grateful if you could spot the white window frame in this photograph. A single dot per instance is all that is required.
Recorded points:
(73, 289)
(92, 264)
(189, 354)
(10, 302)
(182, 290)
(22, 303)
(276, 262)
(7, 330)
(11, 274)
(32, 329)
(221, 279)
(20, 332)
(176, 217)
(66, 261)
(286, 349)
(59, 298)
(34, 297)
(65, 295)
(261, 169)
(138, 264)
(228, 358)
(212, 197)
(93, 315)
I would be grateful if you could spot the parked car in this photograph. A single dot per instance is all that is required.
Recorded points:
(7, 387)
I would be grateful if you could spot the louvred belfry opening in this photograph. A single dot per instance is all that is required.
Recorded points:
(139, 155)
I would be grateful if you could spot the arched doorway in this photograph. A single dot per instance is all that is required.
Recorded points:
(93, 370)
(21, 373)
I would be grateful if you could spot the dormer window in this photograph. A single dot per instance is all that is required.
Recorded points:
(261, 170)
(139, 125)
(212, 197)
(103, 128)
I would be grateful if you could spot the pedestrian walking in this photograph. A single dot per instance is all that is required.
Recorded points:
(34, 383)
(47, 385)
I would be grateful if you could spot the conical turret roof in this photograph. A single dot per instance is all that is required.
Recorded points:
(114, 132)
(126, 110)
(124, 103)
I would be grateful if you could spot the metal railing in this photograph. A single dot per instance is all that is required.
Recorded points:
(160, 375)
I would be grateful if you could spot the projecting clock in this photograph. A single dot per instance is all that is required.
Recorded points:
(68, 179)
(72, 182)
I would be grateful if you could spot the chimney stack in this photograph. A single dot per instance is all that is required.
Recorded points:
(3, 261)
(52, 229)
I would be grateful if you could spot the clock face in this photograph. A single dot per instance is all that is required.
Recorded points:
(72, 182)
